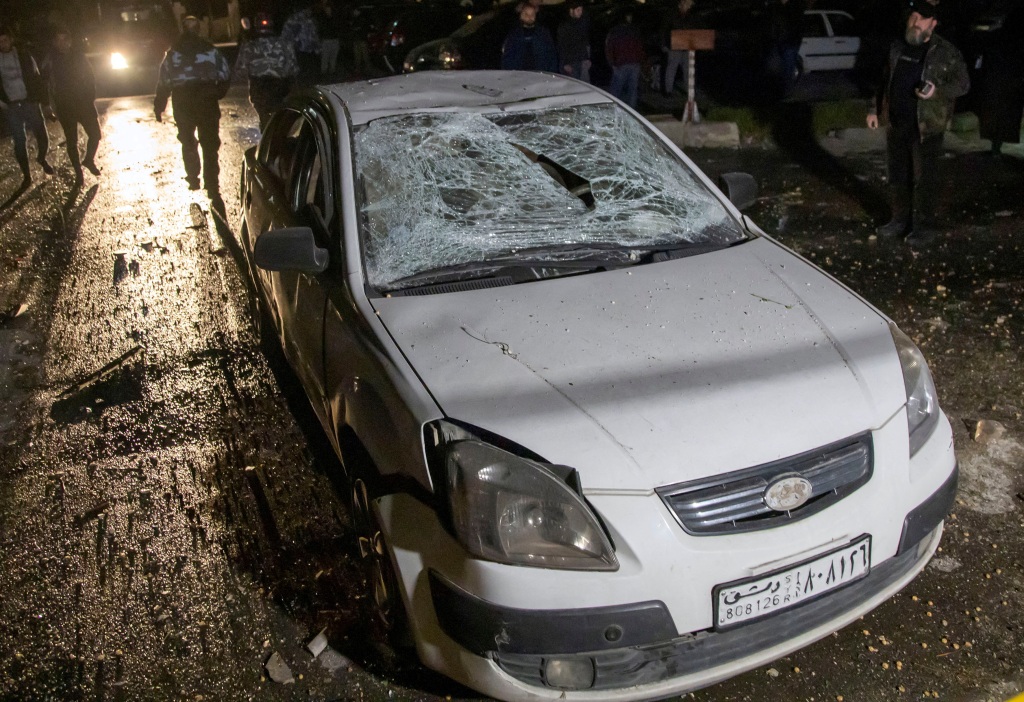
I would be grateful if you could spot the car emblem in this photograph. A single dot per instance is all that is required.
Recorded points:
(787, 492)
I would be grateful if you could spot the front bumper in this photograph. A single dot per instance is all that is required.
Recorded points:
(636, 645)
(646, 629)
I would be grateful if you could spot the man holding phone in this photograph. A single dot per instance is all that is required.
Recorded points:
(924, 75)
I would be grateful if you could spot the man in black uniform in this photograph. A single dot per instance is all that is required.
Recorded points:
(924, 76)
(195, 75)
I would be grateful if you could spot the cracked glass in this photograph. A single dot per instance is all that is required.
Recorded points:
(440, 189)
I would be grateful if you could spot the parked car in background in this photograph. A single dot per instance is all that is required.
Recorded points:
(391, 29)
(477, 43)
(125, 44)
(605, 438)
(830, 41)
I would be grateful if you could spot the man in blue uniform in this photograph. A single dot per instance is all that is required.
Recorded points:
(270, 63)
(195, 76)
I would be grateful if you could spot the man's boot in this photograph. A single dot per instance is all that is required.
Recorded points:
(900, 222)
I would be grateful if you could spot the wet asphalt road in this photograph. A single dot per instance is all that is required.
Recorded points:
(170, 515)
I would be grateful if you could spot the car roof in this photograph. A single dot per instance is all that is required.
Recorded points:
(464, 91)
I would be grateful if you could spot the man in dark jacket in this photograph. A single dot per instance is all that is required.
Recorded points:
(574, 42)
(924, 75)
(624, 49)
(73, 96)
(195, 75)
(22, 93)
(529, 47)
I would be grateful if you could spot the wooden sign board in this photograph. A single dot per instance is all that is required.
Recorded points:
(693, 39)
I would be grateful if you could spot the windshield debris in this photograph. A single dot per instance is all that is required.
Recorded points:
(456, 187)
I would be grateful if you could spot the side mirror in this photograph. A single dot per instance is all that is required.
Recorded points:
(740, 188)
(289, 249)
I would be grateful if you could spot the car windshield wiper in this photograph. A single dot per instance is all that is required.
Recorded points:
(515, 272)
(683, 250)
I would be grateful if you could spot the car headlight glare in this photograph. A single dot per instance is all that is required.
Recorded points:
(512, 510)
(922, 401)
(118, 62)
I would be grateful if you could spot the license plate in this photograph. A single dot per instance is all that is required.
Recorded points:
(742, 601)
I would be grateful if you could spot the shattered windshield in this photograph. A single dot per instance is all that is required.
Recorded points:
(449, 188)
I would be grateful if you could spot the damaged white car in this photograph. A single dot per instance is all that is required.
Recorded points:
(607, 440)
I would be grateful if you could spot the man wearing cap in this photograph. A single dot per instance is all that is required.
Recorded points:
(22, 92)
(923, 77)
(195, 75)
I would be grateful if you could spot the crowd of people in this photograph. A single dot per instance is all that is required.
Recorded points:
(924, 75)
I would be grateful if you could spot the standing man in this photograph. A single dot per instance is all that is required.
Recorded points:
(574, 42)
(73, 92)
(22, 93)
(270, 63)
(624, 49)
(329, 29)
(924, 75)
(300, 30)
(195, 75)
(786, 29)
(676, 59)
(527, 46)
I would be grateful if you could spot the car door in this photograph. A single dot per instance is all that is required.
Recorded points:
(845, 43)
(293, 188)
(300, 297)
(816, 46)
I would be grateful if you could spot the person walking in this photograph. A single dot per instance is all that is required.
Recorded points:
(195, 76)
(923, 77)
(22, 97)
(269, 62)
(529, 47)
(73, 96)
(676, 59)
(300, 30)
(573, 37)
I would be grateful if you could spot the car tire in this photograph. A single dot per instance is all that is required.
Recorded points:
(390, 622)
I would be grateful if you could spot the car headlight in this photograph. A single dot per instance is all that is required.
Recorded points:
(922, 401)
(513, 510)
(118, 62)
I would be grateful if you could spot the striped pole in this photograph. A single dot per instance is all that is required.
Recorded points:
(691, 114)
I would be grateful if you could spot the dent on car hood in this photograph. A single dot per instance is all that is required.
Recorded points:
(661, 373)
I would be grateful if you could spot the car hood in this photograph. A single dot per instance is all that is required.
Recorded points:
(660, 373)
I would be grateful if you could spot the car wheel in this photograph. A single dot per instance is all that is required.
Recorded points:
(382, 581)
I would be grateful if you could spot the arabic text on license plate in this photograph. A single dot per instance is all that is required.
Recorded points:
(767, 594)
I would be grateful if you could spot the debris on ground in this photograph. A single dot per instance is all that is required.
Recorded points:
(278, 670)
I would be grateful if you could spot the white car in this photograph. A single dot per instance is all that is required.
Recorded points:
(606, 439)
(829, 41)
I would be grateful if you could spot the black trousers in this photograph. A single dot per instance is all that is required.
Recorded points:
(913, 175)
(70, 116)
(199, 115)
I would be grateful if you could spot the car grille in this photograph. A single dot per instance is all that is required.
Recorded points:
(734, 502)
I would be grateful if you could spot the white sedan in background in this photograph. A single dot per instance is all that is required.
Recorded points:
(606, 439)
